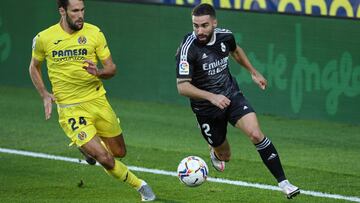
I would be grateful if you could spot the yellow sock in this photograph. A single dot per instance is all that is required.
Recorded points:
(121, 172)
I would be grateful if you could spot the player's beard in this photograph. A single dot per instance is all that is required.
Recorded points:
(72, 25)
(207, 39)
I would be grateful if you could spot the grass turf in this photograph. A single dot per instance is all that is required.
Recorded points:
(318, 156)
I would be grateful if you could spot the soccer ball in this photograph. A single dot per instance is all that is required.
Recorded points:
(192, 171)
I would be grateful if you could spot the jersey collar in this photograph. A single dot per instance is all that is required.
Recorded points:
(212, 40)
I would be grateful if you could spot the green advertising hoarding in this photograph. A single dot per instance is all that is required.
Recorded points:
(311, 64)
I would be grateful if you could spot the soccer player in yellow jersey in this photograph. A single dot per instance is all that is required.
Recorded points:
(71, 49)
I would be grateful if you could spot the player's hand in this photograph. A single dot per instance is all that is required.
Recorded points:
(220, 101)
(259, 80)
(91, 68)
(48, 99)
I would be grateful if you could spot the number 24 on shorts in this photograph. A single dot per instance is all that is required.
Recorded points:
(74, 124)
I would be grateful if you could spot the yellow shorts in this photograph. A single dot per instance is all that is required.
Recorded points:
(82, 121)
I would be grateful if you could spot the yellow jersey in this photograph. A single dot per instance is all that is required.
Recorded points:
(65, 54)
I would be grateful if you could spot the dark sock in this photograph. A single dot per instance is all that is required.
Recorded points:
(271, 158)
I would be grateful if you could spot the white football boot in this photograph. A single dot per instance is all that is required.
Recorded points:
(146, 192)
(288, 189)
(217, 164)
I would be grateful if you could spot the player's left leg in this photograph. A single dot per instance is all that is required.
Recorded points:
(250, 126)
(116, 145)
(110, 132)
(116, 168)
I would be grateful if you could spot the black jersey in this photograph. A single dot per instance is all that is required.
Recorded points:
(207, 66)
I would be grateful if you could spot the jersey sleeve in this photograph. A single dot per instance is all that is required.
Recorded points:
(185, 59)
(102, 50)
(38, 51)
(232, 42)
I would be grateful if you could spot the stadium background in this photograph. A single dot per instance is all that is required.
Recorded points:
(310, 62)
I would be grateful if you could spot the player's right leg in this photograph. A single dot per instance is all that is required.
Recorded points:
(219, 155)
(214, 131)
(88, 158)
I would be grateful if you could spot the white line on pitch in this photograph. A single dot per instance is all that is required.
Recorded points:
(169, 173)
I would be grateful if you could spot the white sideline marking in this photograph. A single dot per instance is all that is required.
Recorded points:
(169, 173)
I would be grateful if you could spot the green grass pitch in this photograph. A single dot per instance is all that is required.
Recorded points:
(317, 156)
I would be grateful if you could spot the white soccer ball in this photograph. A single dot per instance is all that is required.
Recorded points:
(192, 171)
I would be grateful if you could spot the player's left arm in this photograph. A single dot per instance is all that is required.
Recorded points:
(103, 53)
(108, 70)
(240, 57)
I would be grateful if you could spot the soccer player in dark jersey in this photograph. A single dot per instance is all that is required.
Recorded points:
(203, 75)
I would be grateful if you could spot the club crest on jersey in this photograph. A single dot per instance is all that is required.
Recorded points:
(223, 47)
(82, 40)
(184, 68)
(82, 135)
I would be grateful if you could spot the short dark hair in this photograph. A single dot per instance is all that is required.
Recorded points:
(63, 3)
(204, 9)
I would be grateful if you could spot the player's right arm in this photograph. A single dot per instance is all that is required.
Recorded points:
(36, 77)
(38, 55)
(185, 88)
(185, 66)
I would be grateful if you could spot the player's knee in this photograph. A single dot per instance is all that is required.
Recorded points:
(120, 153)
(256, 136)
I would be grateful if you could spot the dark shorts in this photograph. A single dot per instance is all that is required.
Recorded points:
(214, 127)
